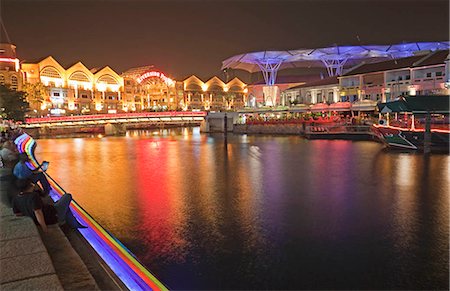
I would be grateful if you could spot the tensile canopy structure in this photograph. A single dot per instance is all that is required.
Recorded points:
(335, 58)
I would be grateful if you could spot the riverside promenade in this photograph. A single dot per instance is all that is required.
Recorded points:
(33, 260)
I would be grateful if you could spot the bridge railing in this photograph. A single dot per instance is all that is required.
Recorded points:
(114, 116)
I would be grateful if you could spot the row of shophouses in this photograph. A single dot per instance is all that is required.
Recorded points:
(424, 74)
(53, 89)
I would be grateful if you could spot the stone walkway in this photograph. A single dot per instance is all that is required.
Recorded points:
(31, 260)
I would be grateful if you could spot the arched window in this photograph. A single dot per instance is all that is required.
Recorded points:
(108, 79)
(193, 87)
(50, 72)
(2, 80)
(14, 82)
(79, 76)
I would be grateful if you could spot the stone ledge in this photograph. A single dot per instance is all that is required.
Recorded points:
(22, 246)
(47, 282)
(14, 227)
(23, 267)
(71, 270)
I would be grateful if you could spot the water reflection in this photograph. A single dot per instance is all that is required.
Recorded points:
(263, 212)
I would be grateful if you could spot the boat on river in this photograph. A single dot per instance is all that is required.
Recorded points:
(340, 131)
(418, 123)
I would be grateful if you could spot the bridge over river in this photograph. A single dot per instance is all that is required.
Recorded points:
(110, 123)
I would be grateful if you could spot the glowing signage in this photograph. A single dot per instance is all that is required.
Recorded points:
(154, 74)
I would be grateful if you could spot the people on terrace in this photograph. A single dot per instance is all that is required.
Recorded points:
(8, 154)
(22, 171)
(29, 203)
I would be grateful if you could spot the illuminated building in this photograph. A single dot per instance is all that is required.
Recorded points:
(422, 74)
(425, 73)
(325, 90)
(258, 95)
(75, 89)
(214, 94)
(9, 67)
(336, 59)
(56, 90)
(148, 88)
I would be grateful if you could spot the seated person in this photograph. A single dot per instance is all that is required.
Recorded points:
(21, 171)
(29, 203)
(8, 154)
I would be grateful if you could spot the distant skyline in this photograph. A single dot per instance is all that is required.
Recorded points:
(182, 38)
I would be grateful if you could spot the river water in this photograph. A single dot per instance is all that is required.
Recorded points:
(264, 212)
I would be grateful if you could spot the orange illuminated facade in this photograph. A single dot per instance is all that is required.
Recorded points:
(9, 67)
(214, 94)
(55, 90)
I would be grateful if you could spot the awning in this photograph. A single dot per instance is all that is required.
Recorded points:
(300, 108)
(340, 106)
(364, 105)
(417, 104)
(319, 107)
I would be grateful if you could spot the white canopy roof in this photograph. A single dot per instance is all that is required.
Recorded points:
(347, 56)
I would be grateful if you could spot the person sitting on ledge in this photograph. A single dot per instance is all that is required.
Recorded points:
(8, 154)
(21, 171)
(29, 203)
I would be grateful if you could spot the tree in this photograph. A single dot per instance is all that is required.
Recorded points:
(35, 94)
(12, 104)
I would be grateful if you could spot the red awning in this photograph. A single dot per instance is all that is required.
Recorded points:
(340, 106)
(319, 107)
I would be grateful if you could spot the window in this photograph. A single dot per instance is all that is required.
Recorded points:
(56, 94)
(330, 97)
(408, 77)
(2, 80)
(14, 83)
(84, 96)
(79, 76)
(108, 79)
(50, 72)
(438, 74)
(428, 75)
(111, 97)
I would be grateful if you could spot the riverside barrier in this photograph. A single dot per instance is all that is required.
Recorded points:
(118, 258)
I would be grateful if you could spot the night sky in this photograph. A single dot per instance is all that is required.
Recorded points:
(193, 37)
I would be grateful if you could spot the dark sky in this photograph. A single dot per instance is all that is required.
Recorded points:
(193, 37)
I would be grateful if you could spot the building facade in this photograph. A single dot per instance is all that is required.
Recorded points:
(55, 90)
(325, 90)
(423, 74)
(214, 94)
(10, 74)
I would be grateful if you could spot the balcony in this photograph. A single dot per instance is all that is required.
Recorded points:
(439, 79)
(397, 83)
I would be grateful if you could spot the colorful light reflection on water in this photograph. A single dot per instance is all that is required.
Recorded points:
(264, 212)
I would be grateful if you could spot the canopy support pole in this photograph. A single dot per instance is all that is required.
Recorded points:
(334, 66)
(269, 69)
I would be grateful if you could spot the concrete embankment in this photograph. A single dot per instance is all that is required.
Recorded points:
(33, 260)
(296, 129)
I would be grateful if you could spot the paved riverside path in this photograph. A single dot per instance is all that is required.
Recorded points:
(32, 260)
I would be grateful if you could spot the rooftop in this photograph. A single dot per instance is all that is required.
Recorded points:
(432, 58)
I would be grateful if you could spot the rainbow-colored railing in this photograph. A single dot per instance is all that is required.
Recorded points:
(121, 261)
